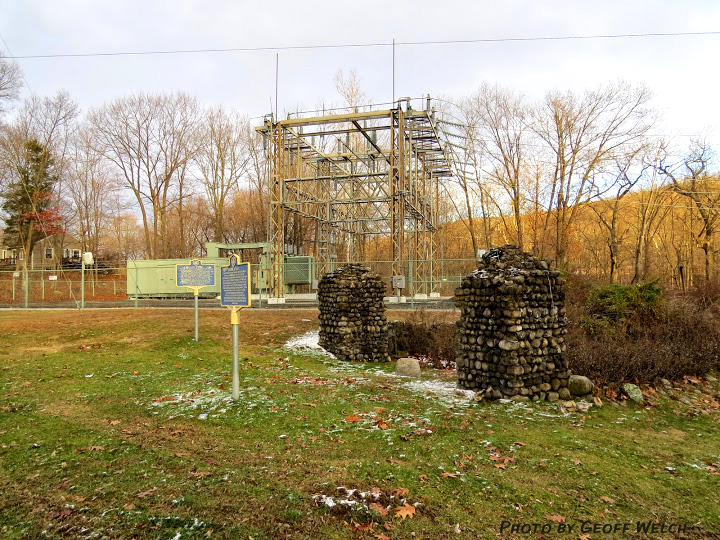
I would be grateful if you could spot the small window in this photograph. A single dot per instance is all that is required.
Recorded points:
(48, 253)
(76, 253)
(22, 254)
(4, 254)
(66, 253)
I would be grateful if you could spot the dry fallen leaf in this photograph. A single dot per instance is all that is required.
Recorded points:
(144, 494)
(557, 518)
(405, 511)
(129, 506)
(451, 475)
(97, 448)
(607, 499)
(352, 418)
(401, 492)
(378, 508)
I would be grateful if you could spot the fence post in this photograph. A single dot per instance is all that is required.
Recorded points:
(27, 287)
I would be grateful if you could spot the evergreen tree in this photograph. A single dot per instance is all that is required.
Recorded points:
(30, 212)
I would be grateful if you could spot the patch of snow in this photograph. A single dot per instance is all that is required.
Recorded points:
(324, 499)
(445, 392)
(307, 343)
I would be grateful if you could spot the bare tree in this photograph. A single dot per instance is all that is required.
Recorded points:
(648, 216)
(502, 125)
(150, 139)
(350, 89)
(222, 159)
(583, 135)
(10, 82)
(92, 189)
(607, 208)
(690, 178)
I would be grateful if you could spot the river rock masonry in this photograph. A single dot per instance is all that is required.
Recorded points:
(353, 325)
(511, 332)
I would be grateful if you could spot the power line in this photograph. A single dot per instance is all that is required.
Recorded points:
(10, 55)
(368, 45)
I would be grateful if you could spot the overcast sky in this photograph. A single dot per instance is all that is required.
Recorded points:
(681, 71)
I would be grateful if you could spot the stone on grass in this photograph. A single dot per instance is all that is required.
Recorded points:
(579, 385)
(564, 393)
(583, 406)
(408, 367)
(633, 392)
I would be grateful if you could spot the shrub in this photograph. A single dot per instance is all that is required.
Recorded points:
(636, 333)
(424, 336)
(617, 309)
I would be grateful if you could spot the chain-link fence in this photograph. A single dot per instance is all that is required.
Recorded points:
(153, 284)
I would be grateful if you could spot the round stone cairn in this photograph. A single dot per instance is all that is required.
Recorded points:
(511, 332)
(353, 325)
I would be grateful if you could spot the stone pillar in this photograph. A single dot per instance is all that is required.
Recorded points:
(353, 325)
(511, 332)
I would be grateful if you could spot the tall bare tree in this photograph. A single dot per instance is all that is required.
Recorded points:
(583, 136)
(92, 189)
(607, 207)
(222, 159)
(150, 139)
(501, 120)
(690, 177)
(648, 216)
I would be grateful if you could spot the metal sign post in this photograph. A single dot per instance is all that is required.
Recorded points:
(235, 294)
(195, 276)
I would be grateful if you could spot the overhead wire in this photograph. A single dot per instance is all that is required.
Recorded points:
(368, 45)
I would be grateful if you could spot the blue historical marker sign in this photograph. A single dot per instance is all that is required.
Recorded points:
(195, 274)
(235, 283)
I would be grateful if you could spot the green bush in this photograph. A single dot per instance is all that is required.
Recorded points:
(619, 309)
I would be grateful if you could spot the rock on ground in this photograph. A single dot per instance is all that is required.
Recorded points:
(633, 392)
(408, 367)
(579, 385)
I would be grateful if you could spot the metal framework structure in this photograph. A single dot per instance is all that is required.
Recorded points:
(362, 173)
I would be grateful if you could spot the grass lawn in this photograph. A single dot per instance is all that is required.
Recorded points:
(116, 424)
